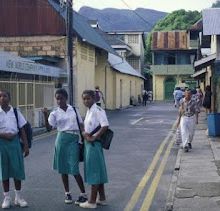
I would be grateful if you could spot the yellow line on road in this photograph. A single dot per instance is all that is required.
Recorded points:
(154, 185)
(136, 121)
(134, 198)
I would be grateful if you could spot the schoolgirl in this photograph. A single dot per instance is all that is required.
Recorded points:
(66, 156)
(11, 155)
(94, 162)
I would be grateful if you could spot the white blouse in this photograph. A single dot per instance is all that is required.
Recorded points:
(8, 122)
(64, 120)
(95, 116)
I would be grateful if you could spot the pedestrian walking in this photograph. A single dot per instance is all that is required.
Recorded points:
(145, 97)
(11, 154)
(177, 96)
(94, 164)
(99, 97)
(207, 99)
(66, 156)
(199, 97)
(188, 118)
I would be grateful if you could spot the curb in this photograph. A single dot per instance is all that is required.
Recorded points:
(173, 184)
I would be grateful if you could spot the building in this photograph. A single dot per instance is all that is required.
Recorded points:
(42, 39)
(173, 55)
(208, 65)
(30, 84)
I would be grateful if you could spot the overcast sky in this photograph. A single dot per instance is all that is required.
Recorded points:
(162, 5)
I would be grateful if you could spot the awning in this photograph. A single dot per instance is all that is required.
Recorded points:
(16, 64)
(204, 62)
(199, 73)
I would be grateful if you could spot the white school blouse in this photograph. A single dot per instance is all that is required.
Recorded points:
(95, 116)
(8, 122)
(64, 120)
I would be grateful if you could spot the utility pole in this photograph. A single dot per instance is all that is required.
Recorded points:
(69, 43)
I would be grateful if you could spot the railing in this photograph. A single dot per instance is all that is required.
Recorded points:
(172, 69)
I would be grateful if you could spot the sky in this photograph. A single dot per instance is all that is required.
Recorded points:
(161, 5)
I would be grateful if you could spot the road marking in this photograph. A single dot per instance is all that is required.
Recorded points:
(45, 135)
(154, 185)
(135, 196)
(136, 121)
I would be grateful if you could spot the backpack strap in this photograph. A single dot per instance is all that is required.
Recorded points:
(77, 119)
(16, 116)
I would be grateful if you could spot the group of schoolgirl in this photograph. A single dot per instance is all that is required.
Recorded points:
(68, 122)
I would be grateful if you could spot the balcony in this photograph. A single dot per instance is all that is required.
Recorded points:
(172, 69)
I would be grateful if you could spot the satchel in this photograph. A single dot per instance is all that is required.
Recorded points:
(106, 137)
(81, 145)
(178, 136)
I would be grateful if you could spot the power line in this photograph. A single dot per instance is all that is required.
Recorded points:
(143, 19)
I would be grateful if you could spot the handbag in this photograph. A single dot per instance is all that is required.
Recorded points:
(106, 137)
(178, 136)
(81, 145)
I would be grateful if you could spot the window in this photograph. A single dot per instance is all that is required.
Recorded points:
(133, 38)
(134, 62)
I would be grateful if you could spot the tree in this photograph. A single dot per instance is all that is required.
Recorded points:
(216, 4)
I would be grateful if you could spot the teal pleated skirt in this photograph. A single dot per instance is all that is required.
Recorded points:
(11, 160)
(66, 156)
(94, 164)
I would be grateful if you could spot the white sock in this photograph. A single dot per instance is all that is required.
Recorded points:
(66, 193)
(6, 194)
(17, 194)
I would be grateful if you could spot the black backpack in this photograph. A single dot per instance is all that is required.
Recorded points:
(27, 128)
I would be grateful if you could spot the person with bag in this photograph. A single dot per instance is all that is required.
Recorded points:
(11, 155)
(66, 157)
(99, 96)
(187, 120)
(94, 161)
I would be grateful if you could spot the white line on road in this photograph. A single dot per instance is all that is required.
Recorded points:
(136, 121)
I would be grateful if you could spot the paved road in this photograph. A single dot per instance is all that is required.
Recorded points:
(140, 135)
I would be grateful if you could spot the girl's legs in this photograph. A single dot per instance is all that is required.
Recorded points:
(5, 185)
(65, 180)
(17, 184)
(94, 192)
(80, 183)
(101, 191)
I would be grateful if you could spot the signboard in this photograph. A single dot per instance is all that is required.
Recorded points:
(20, 65)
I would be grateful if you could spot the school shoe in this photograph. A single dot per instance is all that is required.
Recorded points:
(102, 203)
(20, 202)
(80, 200)
(6, 203)
(88, 205)
(68, 198)
(190, 145)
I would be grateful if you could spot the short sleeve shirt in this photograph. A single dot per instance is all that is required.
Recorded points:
(8, 122)
(95, 116)
(64, 120)
(190, 107)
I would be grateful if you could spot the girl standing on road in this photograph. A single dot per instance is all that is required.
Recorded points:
(11, 155)
(66, 157)
(94, 162)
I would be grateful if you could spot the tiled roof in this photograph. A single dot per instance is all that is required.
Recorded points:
(82, 28)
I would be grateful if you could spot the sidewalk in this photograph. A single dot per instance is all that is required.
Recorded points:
(195, 184)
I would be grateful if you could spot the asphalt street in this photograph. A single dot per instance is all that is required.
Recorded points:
(139, 163)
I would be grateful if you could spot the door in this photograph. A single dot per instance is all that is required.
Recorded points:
(121, 93)
(169, 85)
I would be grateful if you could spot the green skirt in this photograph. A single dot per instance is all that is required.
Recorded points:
(66, 156)
(94, 164)
(11, 160)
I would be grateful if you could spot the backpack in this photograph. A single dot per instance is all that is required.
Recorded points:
(97, 96)
(27, 128)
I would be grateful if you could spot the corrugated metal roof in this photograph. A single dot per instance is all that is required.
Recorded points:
(83, 29)
(197, 26)
(211, 21)
(122, 66)
(172, 40)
